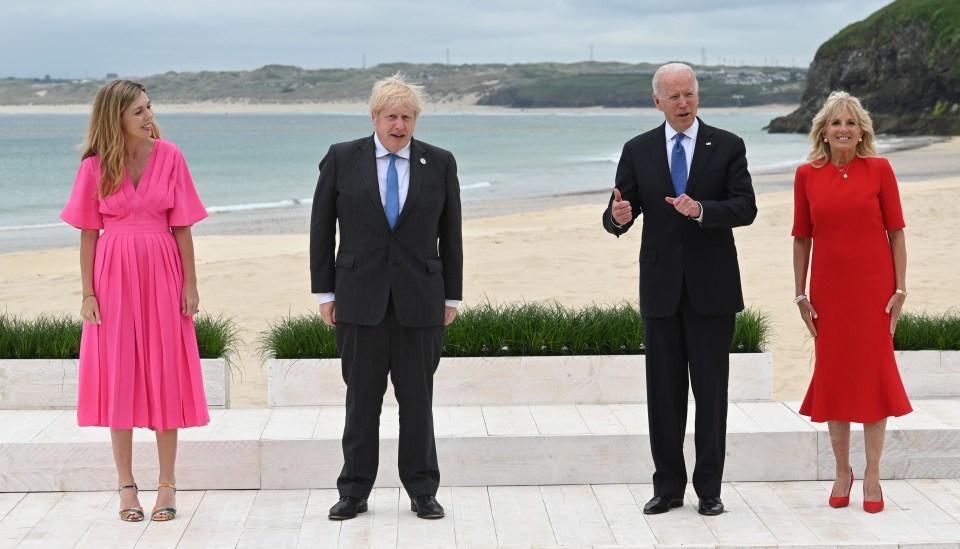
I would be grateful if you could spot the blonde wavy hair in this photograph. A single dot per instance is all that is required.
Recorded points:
(105, 133)
(836, 102)
(396, 91)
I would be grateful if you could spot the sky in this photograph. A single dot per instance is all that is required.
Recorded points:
(90, 38)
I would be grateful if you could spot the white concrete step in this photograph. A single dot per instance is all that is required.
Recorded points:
(514, 380)
(295, 448)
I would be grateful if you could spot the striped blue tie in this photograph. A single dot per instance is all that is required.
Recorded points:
(393, 193)
(678, 165)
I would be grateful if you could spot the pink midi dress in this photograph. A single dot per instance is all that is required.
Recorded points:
(140, 366)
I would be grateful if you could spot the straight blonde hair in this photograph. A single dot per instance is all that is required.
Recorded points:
(105, 133)
(396, 91)
(834, 105)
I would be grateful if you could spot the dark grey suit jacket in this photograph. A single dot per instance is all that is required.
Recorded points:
(675, 249)
(419, 263)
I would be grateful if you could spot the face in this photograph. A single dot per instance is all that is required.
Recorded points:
(678, 99)
(843, 132)
(394, 125)
(137, 120)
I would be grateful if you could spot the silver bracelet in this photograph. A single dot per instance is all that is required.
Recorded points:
(799, 298)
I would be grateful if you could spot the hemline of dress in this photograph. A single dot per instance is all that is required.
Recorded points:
(864, 421)
(151, 427)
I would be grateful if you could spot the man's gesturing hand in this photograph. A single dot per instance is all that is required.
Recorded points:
(621, 210)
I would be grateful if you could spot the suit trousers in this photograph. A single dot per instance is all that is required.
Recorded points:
(699, 344)
(410, 357)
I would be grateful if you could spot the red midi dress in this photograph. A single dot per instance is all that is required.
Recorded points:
(140, 366)
(855, 377)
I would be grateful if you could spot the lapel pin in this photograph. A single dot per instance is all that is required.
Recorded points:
(423, 161)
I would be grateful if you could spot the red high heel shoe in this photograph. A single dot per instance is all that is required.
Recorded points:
(873, 506)
(838, 502)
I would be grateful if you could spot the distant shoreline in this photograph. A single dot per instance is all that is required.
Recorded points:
(465, 106)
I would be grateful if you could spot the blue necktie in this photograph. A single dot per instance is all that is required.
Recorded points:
(678, 165)
(393, 193)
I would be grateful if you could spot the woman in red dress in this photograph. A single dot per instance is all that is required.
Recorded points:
(847, 212)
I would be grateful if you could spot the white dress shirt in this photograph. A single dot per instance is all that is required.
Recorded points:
(402, 163)
(688, 143)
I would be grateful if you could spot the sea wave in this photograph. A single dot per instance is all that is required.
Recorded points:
(34, 226)
(289, 203)
(613, 158)
(480, 185)
(785, 166)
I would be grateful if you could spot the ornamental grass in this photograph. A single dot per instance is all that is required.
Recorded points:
(58, 337)
(524, 329)
(920, 331)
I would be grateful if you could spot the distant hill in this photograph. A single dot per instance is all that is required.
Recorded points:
(555, 85)
(903, 62)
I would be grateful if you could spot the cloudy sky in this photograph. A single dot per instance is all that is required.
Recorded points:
(89, 38)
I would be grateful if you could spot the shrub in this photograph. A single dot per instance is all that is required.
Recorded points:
(217, 337)
(51, 337)
(304, 336)
(58, 337)
(922, 331)
(526, 329)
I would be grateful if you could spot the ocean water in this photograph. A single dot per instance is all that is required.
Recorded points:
(254, 161)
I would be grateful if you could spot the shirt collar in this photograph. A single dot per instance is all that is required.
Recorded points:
(382, 151)
(690, 132)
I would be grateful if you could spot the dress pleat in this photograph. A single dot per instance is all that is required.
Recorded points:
(140, 367)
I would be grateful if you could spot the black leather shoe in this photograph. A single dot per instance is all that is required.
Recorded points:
(661, 504)
(426, 507)
(347, 508)
(710, 506)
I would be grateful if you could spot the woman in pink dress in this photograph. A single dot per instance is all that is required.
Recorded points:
(848, 233)
(134, 202)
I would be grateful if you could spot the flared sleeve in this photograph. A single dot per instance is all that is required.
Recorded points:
(83, 208)
(187, 208)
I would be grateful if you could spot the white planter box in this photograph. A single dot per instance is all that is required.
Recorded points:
(930, 374)
(52, 384)
(513, 380)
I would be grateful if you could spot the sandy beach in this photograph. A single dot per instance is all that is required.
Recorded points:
(254, 267)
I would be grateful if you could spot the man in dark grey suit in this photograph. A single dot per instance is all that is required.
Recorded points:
(689, 278)
(390, 287)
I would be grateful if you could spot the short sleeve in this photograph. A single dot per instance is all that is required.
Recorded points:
(890, 198)
(83, 208)
(187, 208)
(802, 224)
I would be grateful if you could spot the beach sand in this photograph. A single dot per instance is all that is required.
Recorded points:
(254, 266)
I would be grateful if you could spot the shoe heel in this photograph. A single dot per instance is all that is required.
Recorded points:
(874, 506)
(840, 502)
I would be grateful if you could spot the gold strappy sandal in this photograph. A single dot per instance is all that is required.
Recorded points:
(130, 514)
(163, 514)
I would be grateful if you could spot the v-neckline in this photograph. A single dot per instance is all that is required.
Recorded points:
(146, 168)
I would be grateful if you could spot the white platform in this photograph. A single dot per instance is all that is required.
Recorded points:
(298, 448)
(919, 514)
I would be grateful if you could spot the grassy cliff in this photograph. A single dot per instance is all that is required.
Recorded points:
(553, 85)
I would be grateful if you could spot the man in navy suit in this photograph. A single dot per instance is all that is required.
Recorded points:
(690, 182)
(390, 286)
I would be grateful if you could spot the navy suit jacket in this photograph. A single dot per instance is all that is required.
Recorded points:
(676, 249)
(419, 263)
